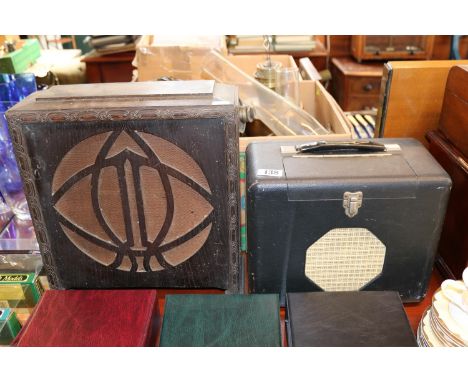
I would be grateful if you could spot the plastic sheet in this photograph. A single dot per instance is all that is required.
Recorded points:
(19, 249)
(21, 262)
(280, 115)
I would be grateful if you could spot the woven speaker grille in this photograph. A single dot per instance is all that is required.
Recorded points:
(345, 259)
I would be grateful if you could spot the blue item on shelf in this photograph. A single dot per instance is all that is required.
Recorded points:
(13, 88)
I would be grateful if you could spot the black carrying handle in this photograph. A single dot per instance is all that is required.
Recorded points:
(323, 147)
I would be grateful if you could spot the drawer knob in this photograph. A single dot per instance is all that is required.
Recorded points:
(368, 87)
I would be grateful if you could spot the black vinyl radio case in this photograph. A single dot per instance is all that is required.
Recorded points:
(343, 216)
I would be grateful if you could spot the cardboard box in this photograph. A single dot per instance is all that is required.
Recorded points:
(10, 37)
(315, 99)
(154, 60)
(180, 57)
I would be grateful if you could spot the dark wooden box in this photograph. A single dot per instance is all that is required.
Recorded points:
(133, 185)
(343, 220)
(449, 145)
(454, 114)
(453, 245)
(93, 318)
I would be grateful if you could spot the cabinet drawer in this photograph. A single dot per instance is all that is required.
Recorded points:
(361, 103)
(364, 85)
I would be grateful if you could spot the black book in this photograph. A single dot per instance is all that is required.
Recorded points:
(347, 319)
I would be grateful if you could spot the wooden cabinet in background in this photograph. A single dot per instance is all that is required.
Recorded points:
(340, 46)
(449, 146)
(411, 98)
(392, 47)
(356, 86)
(115, 67)
(442, 44)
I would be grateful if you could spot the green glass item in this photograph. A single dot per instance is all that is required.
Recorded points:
(9, 326)
(22, 58)
(243, 228)
(221, 320)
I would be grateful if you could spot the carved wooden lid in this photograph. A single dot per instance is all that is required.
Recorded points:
(131, 94)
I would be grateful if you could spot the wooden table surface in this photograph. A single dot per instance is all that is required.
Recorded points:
(416, 310)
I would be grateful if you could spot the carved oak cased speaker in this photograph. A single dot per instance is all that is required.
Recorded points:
(133, 185)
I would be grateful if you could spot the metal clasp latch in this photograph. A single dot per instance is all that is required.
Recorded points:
(351, 203)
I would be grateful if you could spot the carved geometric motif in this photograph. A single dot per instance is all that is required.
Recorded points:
(132, 201)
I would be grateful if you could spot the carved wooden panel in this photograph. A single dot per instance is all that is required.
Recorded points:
(129, 208)
(143, 197)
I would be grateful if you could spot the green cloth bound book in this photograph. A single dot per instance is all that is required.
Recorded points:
(221, 320)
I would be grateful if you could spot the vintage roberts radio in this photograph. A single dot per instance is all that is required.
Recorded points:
(133, 185)
(343, 216)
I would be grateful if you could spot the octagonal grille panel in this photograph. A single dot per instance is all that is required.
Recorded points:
(345, 259)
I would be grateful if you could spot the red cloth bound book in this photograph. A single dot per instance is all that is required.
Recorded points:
(93, 318)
